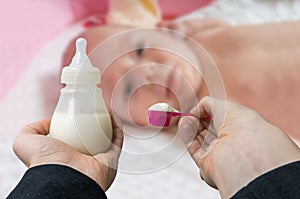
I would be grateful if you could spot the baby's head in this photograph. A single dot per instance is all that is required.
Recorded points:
(141, 67)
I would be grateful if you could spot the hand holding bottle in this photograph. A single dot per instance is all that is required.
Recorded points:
(243, 144)
(34, 147)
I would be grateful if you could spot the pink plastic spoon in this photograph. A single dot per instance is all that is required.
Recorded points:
(163, 118)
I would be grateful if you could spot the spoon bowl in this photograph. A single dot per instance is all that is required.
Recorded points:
(163, 118)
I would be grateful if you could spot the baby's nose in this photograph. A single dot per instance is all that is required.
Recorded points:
(154, 73)
(150, 71)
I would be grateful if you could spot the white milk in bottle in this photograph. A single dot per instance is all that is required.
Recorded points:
(81, 119)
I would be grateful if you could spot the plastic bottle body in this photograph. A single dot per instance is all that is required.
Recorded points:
(81, 119)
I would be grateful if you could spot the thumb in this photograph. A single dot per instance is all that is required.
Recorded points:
(188, 128)
(213, 109)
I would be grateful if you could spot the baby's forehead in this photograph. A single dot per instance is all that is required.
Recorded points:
(131, 35)
(99, 34)
(117, 39)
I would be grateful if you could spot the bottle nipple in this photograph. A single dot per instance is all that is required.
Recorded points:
(81, 70)
(80, 58)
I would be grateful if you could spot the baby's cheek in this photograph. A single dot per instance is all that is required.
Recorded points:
(139, 118)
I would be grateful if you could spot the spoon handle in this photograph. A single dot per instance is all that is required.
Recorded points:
(175, 114)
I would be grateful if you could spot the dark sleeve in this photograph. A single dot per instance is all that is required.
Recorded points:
(56, 181)
(282, 182)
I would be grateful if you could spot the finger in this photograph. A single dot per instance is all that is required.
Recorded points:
(212, 108)
(195, 147)
(205, 122)
(111, 157)
(25, 144)
(41, 127)
(116, 120)
(210, 140)
(118, 138)
(204, 108)
(188, 129)
(116, 145)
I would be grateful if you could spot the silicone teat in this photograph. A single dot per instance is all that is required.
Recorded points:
(81, 70)
(80, 58)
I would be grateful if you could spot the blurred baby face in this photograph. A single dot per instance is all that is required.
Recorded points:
(143, 67)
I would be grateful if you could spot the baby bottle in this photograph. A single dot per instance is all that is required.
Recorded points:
(81, 119)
